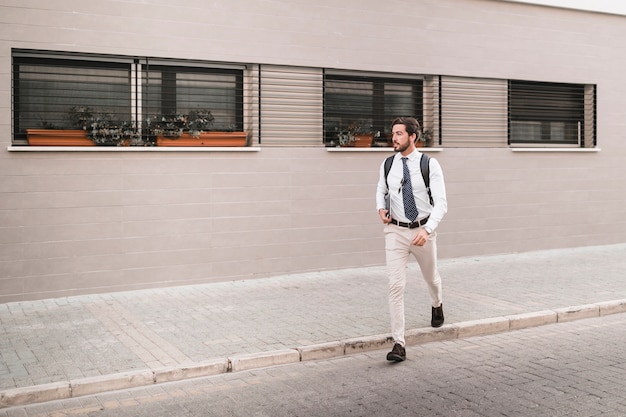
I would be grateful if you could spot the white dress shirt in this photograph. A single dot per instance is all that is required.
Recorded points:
(437, 188)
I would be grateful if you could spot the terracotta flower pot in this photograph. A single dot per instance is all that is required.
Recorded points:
(54, 137)
(362, 141)
(205, 139)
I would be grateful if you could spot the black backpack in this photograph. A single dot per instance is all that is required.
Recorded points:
(424, 165)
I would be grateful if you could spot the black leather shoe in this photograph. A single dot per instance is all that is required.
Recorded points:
(437, 318)
(397, 354)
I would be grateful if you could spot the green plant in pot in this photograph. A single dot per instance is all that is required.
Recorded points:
(352, 132)
(102, 129)
(174, 125)
(426, 136)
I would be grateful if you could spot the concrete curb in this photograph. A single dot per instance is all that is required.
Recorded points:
(177, 373)
(237, 363)
(263, 359)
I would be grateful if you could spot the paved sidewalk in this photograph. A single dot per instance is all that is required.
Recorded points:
(73, 346)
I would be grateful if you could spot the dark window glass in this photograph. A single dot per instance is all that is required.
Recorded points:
(541, 112)
(115, 95)
(47, 89)
(171, 90)
(368, 104)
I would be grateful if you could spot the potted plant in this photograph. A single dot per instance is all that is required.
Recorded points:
(425, 138)
(195, 128)
(176, 125)
(103, 130)
(355, 134)
(89, 128)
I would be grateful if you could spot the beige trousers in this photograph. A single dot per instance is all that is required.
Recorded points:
(398, 247)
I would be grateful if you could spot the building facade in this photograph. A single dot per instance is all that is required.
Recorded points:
(524, 106)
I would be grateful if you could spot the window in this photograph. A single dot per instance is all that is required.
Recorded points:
(71, 91)
(45, 90)
(368, 105)
(170, 90)
(551, 113)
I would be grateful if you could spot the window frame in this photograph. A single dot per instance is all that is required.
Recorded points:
(172, 106)
(548, 110)
(134, 90)
(380, 121)
(59, 61)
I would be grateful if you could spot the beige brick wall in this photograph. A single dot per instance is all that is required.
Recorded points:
(81, 222)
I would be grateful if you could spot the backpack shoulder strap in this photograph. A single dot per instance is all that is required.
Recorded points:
(425, 167)
(388, 163)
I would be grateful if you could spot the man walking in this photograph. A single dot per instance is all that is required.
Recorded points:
(410, 223)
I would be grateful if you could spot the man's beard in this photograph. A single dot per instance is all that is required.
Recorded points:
(401, 148)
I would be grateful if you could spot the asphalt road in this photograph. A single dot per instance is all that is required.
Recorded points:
(567, 369)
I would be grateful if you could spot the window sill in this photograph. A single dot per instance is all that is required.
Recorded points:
(575, 150)
(377, 149)
(12, 148)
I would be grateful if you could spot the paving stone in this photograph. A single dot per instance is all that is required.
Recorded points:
(164, 331)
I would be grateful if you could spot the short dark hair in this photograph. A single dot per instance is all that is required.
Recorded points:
(410, 123)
